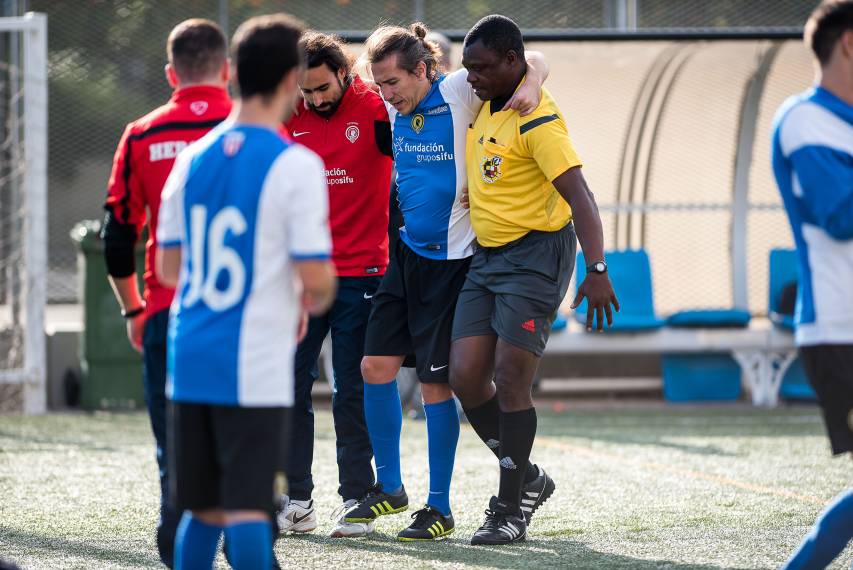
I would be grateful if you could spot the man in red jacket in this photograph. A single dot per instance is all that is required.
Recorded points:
(347, 125)
(198, 72)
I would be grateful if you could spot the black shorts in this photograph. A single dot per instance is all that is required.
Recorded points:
(412, 312)
(829, 368)
(513, 291)
(227, 457)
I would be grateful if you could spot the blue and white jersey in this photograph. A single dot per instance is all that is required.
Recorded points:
(813, 164)
(429, 154)
(242, 204)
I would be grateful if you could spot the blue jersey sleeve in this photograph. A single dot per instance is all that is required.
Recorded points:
(825, 178)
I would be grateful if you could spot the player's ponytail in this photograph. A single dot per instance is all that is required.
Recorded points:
(410, 46)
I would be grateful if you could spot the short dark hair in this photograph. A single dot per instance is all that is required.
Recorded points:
(498, 33)
(318, 49)
(410, 46)
(196, 49)
(826, 25)
(265, 49)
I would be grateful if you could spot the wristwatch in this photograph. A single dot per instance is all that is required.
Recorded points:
(597, 267)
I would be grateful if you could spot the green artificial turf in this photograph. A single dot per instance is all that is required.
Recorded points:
(665, 488)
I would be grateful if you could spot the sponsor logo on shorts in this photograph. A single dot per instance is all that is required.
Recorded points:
(529, 326)
(366, 296)
(371, 270)
(493, 444)
(434, 368)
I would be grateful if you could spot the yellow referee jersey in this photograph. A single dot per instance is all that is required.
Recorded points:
(512, 161)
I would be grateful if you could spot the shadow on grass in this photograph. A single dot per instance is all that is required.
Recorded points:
(534, 553)
(33, 543)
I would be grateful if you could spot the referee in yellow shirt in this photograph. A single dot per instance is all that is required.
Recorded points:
(527, 197)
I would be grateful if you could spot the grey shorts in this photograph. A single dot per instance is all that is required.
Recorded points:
(513, 291)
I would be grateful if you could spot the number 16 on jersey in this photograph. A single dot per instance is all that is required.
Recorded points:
(220, 258)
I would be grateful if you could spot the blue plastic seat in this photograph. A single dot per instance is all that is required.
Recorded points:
(709, 318)
(783, 273)
(631, 275)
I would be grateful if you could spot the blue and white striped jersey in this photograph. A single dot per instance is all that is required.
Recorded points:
(429, 153)
(241, 203)
(813, 165)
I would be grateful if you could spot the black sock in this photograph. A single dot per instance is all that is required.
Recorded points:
(518, 429)
(485, 420)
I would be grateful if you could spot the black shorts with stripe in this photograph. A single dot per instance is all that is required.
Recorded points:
(412, 314)
(513, 291)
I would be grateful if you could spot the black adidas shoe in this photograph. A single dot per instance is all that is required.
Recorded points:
(429, 524)
(535, 493)
(377, 503)
(504, 524)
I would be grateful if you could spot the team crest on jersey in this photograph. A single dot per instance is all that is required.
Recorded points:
(418, 123)
(232, 143)
(491, 168)
(198, 107)
(352, 132)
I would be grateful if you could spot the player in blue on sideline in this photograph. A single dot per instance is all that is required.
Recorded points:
(813, 165)
(243, 233)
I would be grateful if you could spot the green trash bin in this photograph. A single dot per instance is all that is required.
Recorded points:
(111, 368)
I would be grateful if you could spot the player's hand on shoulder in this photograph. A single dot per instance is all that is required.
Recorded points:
(525, 100)
(599, 294)
(463, 199)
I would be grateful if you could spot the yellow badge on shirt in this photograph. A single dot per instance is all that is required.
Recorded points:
(491, 168)
(418, 123)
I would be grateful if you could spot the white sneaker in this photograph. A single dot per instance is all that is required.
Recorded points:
(344, 529)
(296, 516)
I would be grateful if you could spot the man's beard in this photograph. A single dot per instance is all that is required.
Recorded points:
(327, 112)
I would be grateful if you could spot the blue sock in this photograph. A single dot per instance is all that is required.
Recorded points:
(828, 537)
(195, 543)
(442, 421)
(249, 545)
(383, 413)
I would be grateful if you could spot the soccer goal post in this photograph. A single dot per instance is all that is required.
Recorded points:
(23, 213)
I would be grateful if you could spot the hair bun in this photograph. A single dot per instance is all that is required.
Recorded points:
(419, 29)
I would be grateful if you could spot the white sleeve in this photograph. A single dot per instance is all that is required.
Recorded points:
(456, 87)
(170, 221)
(305, 204)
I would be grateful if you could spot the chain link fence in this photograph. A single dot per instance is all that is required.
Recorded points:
(106, 61)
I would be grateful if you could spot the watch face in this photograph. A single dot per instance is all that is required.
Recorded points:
(600, 267)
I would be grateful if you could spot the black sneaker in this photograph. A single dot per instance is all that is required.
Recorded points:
(377, 503)
(535, 493)
(429, 524)
(504, 524)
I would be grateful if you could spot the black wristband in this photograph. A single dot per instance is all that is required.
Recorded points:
(133, 312)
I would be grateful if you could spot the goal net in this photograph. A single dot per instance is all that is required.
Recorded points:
(23, 212)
